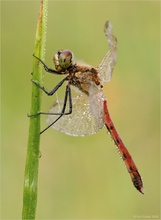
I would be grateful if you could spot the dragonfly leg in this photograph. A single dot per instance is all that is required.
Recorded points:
(47, 69)
(53, 90)
(48, 93)
(67, 94)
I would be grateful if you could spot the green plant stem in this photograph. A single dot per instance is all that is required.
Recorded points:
(32, 158)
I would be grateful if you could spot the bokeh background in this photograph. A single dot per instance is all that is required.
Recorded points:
(84, 178)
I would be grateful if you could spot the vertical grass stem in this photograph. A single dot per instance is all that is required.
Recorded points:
(32, 159)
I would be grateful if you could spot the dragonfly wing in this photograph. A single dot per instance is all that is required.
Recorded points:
(81, 122)
(96, 99)
(108, 62)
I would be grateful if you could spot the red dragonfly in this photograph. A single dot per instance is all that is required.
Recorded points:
(86, 113)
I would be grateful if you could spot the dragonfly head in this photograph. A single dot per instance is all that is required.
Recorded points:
(63, 59)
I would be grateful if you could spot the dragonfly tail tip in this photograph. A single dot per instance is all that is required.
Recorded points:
(142, 190)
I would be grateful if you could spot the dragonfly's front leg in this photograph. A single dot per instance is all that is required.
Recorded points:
(47, 69)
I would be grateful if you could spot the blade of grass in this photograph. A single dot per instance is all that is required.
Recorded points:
(32, 158)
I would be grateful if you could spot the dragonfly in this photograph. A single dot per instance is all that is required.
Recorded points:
(87, 112)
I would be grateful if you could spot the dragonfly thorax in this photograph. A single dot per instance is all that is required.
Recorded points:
(83, 76)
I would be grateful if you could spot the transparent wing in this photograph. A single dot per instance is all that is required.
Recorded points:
(83, 121)
(96, 99)
(107, 64)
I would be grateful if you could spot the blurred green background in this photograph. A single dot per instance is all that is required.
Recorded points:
(84, 178)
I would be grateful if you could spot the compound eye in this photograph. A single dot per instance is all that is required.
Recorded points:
(65, 58)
